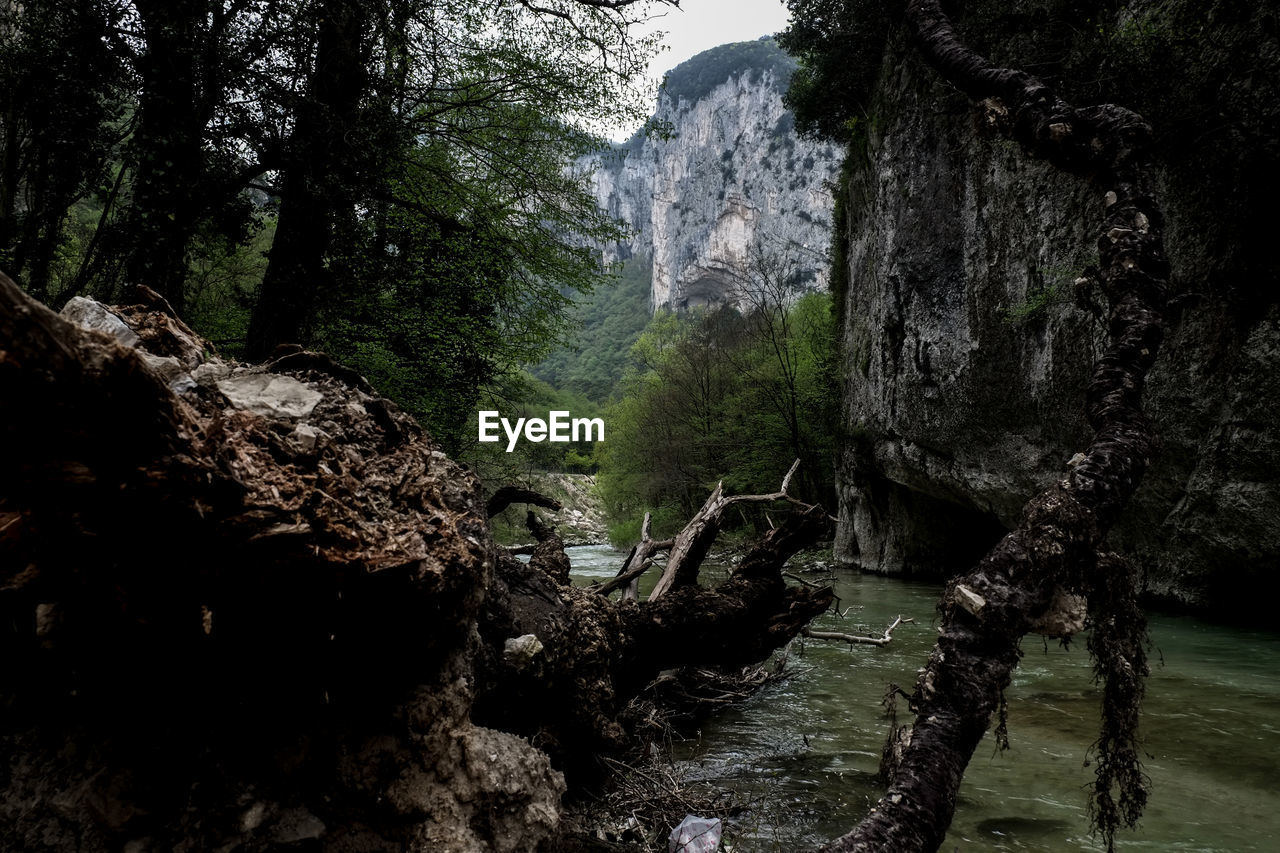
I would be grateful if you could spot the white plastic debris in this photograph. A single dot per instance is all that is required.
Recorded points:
(695, 835)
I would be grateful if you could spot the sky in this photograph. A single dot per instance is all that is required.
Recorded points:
(701, 24)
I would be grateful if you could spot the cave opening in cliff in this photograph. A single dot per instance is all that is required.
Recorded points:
(940, 537)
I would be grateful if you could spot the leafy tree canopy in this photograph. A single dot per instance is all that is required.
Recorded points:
(720, 395)
(839, 45)
(402, 165)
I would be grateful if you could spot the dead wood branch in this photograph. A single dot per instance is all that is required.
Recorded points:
(611, 651)
(799, 579)
(624, 579)
(637, 563)
(854, 639)
(695, 540)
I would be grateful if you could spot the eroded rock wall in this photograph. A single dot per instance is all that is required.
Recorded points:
(731, 174)
(967, 351)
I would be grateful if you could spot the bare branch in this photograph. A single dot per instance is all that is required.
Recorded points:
(695, 540)
(854, 639)
(624, 578)
(641, 559)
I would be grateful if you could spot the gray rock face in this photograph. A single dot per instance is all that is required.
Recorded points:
(966, 357)
(733, 175)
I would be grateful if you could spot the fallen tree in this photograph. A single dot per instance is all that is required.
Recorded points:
(639, 560)
(259, 606)
(1057, 543)
(606, 652)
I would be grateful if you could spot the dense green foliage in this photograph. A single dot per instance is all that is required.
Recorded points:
(62, 116)
(839, 45)
(522, 395)
(720, 395)
(609, 322)
(694, 79)
(383, 179)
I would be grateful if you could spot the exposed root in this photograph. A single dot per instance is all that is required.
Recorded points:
(691, 693)
(1118, 645)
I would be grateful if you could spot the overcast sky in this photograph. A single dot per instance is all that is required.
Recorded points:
(702, 24)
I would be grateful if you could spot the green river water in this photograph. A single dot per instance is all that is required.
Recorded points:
(808, 746)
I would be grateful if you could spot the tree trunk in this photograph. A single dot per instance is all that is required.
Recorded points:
(319, 180)
(694, 541)
(569, 692)
(168, 147)
(986, 612)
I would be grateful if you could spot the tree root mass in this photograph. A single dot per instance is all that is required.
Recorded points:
(258, 606)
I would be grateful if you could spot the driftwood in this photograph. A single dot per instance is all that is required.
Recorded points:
(854, 639)
(610, 651)
(1056, 543)
(626, 578)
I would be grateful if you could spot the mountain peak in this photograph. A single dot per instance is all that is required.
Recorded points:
(695, 78)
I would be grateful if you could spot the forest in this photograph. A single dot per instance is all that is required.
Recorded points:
(923, 335)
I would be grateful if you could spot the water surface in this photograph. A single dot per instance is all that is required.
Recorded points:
(808, 747)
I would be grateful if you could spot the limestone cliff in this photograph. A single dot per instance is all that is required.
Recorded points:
(728, 173)
(967, 348)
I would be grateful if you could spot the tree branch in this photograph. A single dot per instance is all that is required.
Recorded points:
(636, 564)
(854, 639)
(508, 495)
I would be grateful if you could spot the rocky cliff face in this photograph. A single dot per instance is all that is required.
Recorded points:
(730, 174)
(967, 352)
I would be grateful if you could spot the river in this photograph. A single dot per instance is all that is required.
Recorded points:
(807, 747)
